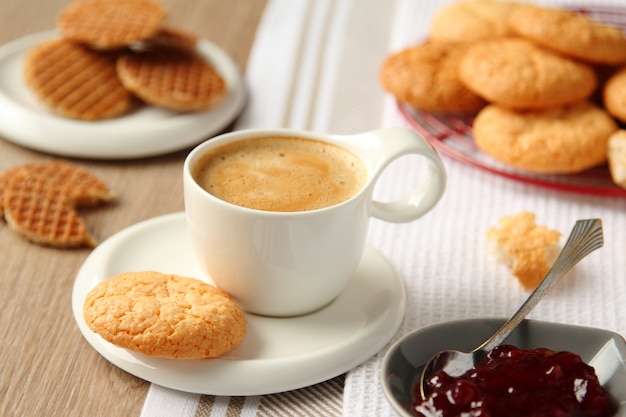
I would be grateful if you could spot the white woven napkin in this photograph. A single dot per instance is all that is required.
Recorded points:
(314, 65)
(443, 258)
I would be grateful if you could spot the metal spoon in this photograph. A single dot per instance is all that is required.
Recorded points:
(586, 236)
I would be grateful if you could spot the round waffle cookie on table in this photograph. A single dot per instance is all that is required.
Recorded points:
(75, 81)
(561, 140)
(178, 79)
(39, 201)
(164, 315)
(570, 33)
(110, 24)
(83, 188)
(425, 76)
(518, 74)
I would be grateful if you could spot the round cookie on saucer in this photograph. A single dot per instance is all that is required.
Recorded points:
(516, 73)
(165, 315)
(561, 140)
(472, 20)
(570, 33)
(425, 76)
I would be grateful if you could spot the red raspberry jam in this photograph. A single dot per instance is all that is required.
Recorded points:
(511, 382)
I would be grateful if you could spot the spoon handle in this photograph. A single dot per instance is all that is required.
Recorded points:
(586, 236)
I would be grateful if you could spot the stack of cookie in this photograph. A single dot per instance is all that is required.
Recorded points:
(113, 51)
(529, 73)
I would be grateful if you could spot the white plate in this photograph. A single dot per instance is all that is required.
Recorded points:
(277, 354)
(147, 131)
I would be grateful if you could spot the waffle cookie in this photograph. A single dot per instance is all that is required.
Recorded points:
(75, 81)
(173, 78)
(5, 176)
(168, 36)
(110, 24)
(39, 202)
(164, 315)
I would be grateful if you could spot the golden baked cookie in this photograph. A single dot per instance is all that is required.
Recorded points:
(527, 248)
(174, 78)
(425, 76)
(165, 315)
(39, 201)
(614, 94)
(617, 157)
(472, 20)
(570, 33)
(555, 141)
(110, 24)
(75, 81)
(516, 73)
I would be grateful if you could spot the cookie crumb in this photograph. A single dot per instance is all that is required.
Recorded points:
(527, 248)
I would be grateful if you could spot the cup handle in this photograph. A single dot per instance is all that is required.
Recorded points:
(396, 142)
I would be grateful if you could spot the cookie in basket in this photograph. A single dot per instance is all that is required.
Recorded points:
(527, 248)
(614, 94)
(561, 140)
(110, 24)
(75, 81)
(425, 76)
(472, 20)
(174, 78)
(39, 201)
(570, 33)
(165, 315)
(617, 157)
(516, 73)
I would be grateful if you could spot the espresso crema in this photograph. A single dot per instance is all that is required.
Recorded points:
(280, 173)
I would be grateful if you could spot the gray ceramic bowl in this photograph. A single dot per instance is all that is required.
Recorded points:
(403, 363)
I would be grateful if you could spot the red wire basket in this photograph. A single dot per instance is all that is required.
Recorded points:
(451, 135)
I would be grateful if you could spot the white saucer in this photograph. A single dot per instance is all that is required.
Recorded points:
(278, 354)
(147, 131)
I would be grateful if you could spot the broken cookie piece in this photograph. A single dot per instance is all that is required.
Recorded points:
(527, 248)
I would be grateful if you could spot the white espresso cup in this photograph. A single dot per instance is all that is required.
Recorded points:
(286, 263)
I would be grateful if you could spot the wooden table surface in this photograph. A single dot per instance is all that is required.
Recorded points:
(46, 366)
